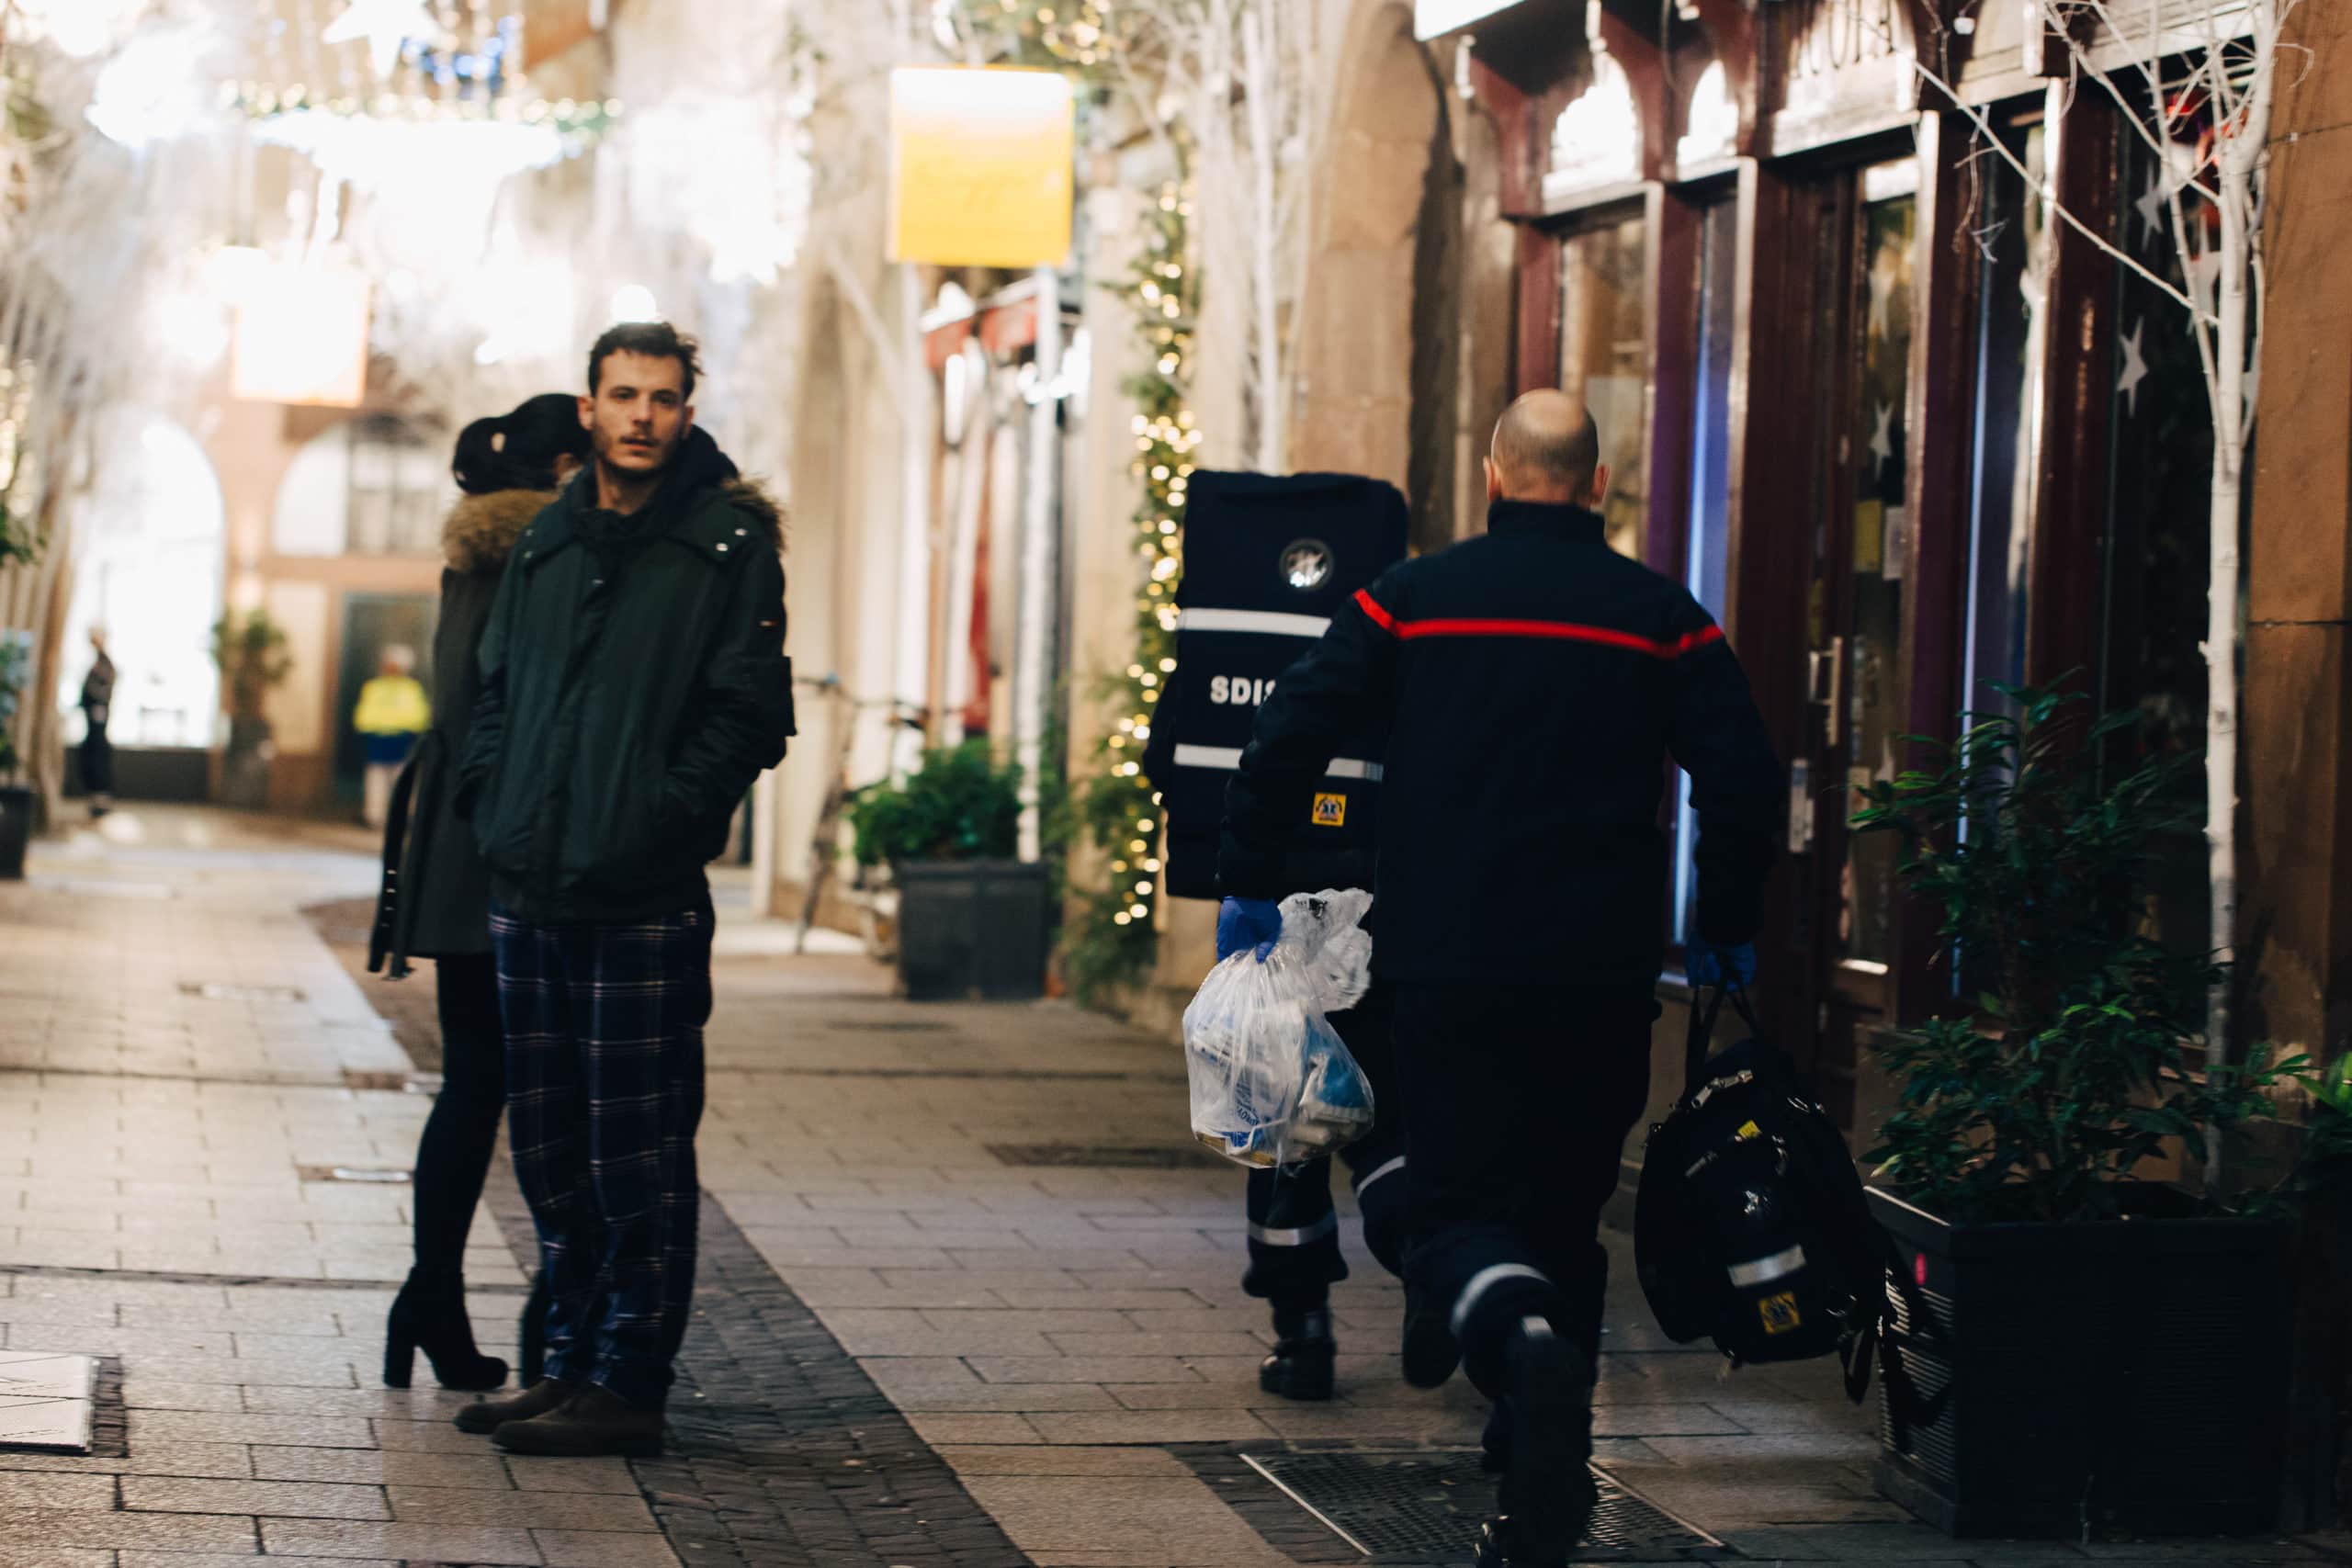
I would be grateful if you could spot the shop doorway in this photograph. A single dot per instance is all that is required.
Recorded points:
(372, 623)
(1857, 232)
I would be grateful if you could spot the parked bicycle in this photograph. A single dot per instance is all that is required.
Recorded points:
(824, 850)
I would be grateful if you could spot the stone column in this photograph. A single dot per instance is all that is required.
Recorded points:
(2295, 931)
(2295, 822)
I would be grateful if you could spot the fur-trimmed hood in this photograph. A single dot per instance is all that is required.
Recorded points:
(481, 529)
(763, 510)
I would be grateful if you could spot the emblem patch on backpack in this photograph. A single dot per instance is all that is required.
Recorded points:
(1780, 1313)
(1330, 811)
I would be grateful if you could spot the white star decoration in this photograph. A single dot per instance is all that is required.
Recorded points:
(2135, 369)
(386, 24)
(1883, 440)
(2152, 206)
(2204, 271)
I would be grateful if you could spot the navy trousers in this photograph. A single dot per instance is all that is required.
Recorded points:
(1294, 1230)
(1521, 1098)
(604, 1093)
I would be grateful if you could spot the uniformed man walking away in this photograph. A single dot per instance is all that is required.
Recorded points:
(1268, 560)
(1294, 1230)
(1533, 683)
(633, 686)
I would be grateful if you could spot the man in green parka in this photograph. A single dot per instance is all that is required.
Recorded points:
(633, 686)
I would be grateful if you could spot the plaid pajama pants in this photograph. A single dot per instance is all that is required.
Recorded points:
(603, 1092)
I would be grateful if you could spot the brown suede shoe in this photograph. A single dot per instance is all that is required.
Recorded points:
(486, 1416)
(595, 1421)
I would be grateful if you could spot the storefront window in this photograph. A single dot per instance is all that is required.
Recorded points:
(2159, 538)
(148, 548)
(1604, 359)
(371, 486)
(1707, 540)
(1881, 551)
(2010, 327)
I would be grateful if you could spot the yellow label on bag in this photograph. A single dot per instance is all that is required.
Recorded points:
(1330, 811)
(1778, 1313)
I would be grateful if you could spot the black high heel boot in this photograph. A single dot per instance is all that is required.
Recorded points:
(429, 1315)
(535, 1332)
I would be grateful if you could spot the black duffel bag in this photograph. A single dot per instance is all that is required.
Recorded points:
(1750, 1228)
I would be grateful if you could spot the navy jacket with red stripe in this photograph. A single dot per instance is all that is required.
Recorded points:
(1533, 683)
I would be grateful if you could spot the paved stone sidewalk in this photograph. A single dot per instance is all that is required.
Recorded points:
(968, 1299)
(155, 1139)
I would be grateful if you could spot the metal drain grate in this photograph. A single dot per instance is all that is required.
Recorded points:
(1426, 1507)
(1110, 1157)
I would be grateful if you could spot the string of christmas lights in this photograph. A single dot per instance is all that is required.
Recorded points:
(1076, 34)
(1112, 937)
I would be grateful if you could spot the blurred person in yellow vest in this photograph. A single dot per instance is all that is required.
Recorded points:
(393, 711)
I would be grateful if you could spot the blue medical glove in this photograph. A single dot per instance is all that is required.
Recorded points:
(1704, 964)
(1247, 923)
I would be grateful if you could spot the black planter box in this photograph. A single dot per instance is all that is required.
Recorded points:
(972, 928)
(2126, 1377)
(16, 804)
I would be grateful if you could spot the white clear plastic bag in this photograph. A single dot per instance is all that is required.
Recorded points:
(1272, 1082)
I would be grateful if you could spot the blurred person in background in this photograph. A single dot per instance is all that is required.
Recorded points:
(98, 702)
(393, 711)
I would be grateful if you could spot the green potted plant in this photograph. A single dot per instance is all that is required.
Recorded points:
(17, 801)
(2104, 1350)
(971, 917)
(250, 650)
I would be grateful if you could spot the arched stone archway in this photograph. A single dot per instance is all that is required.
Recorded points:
(147, 568)
(1378, 338)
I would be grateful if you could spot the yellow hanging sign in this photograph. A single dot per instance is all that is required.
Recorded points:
(981, 166)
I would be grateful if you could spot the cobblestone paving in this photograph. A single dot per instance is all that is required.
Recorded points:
(911, 1347)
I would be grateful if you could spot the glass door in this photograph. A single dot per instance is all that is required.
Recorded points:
(1862, 231)
(1706, 560)
(1604, 357)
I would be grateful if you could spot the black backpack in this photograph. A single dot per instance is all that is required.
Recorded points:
(1749, 1226)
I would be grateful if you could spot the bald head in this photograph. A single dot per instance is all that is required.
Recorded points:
(1546, 448)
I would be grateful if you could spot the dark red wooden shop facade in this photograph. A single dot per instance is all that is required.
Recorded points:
(1829, 111)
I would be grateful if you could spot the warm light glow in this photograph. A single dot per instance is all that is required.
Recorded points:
(1713, 120)
(302, 338)
(1597, 138)
(149, 91)
(79, 27)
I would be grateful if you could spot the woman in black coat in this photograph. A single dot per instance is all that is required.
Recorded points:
(436, 889)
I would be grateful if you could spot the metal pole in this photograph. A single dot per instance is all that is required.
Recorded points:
(911, 677)
(1037, 596)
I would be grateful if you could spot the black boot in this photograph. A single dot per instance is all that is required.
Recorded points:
(429, 1315)
(1431, 1353)
(535, 1332)
(1548, 1492)
(1302, 1364)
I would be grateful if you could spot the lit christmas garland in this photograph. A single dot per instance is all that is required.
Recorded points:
(583, 122)
(1073, 34)
(1111, 940)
